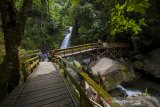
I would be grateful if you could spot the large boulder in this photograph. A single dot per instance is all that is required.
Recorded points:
(112, 72)
(152, 63)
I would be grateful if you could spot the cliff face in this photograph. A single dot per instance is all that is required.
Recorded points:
(149, 63)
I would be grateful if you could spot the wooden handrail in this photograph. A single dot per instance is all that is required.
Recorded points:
(28, 66)
(85, 76)
(73, 47)
(91, 47)
(32, 59)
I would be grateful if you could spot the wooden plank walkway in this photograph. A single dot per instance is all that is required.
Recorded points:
(44, 88)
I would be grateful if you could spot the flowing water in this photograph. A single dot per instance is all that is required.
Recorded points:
(67, 40)
(65, 44)
(129, 92)
(140, 86)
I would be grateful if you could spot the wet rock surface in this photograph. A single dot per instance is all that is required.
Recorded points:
(112, 72)
(118, 93)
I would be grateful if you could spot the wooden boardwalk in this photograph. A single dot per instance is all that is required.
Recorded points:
(44, 88)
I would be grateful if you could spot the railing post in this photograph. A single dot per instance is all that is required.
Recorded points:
(82, 85)
(61, 67)
(65, 75)
(24, 72)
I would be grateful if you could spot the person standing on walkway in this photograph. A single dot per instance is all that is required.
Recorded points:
(45, 56)
(40, 55)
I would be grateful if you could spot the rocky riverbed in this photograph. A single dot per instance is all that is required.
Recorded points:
(128, 87)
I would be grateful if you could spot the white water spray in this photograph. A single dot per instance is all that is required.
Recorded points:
(67, 40)
(129, 92)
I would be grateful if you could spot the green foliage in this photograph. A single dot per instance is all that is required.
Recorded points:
(146, 93)
(37, 6)
(128, 16)
(18, 4)
(43, 25)
(99, 19)
(89, 22)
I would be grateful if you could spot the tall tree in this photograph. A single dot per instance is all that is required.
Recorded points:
(13, 24)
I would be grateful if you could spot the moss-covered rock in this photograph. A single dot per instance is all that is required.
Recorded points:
(112, 72)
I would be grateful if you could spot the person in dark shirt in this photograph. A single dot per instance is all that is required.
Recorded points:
(49, 54)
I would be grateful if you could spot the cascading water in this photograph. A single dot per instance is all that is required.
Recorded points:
(129, 92)
(65, 44)
(67, 40)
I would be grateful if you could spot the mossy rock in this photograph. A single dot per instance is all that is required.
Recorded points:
(114, 74)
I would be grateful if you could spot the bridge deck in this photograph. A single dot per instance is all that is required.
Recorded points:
(44, 88)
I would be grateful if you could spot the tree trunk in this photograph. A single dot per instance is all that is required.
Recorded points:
(10, 67)
(14, 77)
(8, 15)
(75, 33)
(43, 18)
(13, 24)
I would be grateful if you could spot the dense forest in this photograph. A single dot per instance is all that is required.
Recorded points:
(29, 25)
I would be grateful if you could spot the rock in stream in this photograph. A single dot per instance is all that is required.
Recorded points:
(112, 72)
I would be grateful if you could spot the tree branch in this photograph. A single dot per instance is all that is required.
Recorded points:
(22, 17)
(26, 7)
(8, 15)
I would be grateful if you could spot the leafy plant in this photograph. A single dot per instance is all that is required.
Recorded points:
(146, 93)
(128, 16)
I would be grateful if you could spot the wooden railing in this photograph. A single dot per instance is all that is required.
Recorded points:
(74, 49)
(84, 100)
(28, 66)
(115, 45)
(88, 47)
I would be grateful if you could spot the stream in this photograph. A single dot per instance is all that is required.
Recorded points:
(140, 86)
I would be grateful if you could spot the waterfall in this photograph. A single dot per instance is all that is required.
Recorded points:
(128, 91)
(67, 40)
